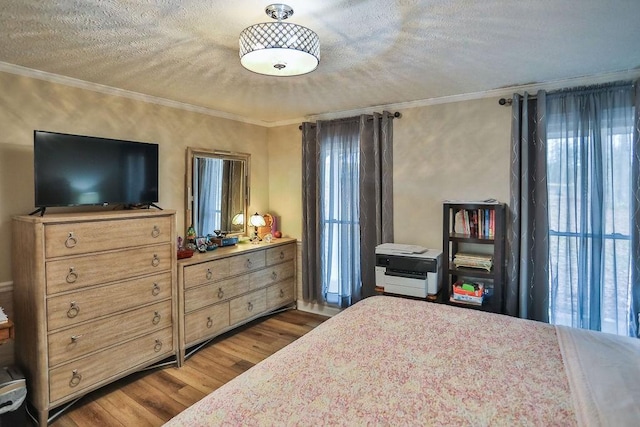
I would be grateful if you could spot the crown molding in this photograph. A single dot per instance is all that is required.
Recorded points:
(507, 91)
(109, 90)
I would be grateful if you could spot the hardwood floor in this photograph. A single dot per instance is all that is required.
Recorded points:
(153, 397)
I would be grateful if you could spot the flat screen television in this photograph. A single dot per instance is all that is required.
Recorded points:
(74, 170)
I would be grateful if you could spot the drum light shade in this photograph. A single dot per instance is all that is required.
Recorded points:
(279, 48)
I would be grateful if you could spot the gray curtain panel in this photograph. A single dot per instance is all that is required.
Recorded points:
(635, 219)
(311, 280)
(527, 288)
(376, 192)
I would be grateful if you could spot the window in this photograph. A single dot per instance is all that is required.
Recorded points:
(339, 212)
(589, 185)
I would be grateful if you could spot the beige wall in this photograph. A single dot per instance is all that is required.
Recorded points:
(448, 151)
(454, 151)
(27, 104)
(285, 178)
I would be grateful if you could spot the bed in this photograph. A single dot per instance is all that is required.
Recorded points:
(389, 361)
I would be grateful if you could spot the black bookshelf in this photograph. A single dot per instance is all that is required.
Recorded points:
(485, 236)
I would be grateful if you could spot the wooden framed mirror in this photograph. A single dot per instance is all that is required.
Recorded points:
(217, 191)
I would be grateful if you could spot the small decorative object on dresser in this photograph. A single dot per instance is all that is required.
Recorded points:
(267, 228)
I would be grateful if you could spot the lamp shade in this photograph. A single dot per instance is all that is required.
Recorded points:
(279, 48)
(238, 219)
(257, 220)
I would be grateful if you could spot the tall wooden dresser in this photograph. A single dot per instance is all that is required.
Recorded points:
(95, 300)
(230, 286)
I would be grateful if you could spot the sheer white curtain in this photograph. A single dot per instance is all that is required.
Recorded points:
(590, 192)
(340, 212)
(208, 195)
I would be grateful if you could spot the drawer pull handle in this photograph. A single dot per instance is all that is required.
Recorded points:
(249, 263)
(72, 276)
(155, 232)
(71, 241)
(220, 293)
(155, 261)
(73, 311)
(156, 318)
(75, 378)
(209, 322)
(249, 306)
(281, 293)
(75, 338)
(155, 290)
(209, 274)
(274, 275)
(158, 346)
(281, 254)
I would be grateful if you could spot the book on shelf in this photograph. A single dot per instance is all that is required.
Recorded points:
(475, 222)
(3, 316)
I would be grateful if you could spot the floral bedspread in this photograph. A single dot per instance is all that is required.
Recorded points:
(397, 362)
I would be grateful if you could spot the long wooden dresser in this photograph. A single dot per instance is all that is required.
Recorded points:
(230, 286)
(95, 300)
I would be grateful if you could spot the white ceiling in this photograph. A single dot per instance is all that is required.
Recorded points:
(374, 53)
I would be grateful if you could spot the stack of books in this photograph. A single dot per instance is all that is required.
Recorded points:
(475, 222)
(473, 260)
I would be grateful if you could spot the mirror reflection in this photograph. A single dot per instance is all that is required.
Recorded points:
(217, 194)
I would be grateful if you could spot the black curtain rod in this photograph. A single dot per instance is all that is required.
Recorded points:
(589, 88)
(396, 115)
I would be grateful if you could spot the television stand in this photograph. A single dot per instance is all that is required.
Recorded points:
(41, 210)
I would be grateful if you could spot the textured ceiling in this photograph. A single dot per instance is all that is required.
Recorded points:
(373, 52)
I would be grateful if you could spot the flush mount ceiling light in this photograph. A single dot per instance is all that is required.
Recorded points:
(279, 48)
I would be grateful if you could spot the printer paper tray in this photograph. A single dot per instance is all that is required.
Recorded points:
(405, 290)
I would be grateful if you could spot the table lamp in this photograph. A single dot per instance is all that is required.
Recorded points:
(256, 221)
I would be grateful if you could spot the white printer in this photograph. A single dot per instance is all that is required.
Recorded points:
(408, 269)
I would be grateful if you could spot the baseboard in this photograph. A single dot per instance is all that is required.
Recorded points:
(6, 286)
(323, 310)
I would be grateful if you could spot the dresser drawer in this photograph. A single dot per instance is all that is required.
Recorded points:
(76, 376)
(270, 275)
(247, 306)
(78, 272)
(206, 322)
(80, 340)
(212, 293)
(84, 237)
(245, 263)
(74, 307)
(280, 294)
(209, 271)
(280, 254)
